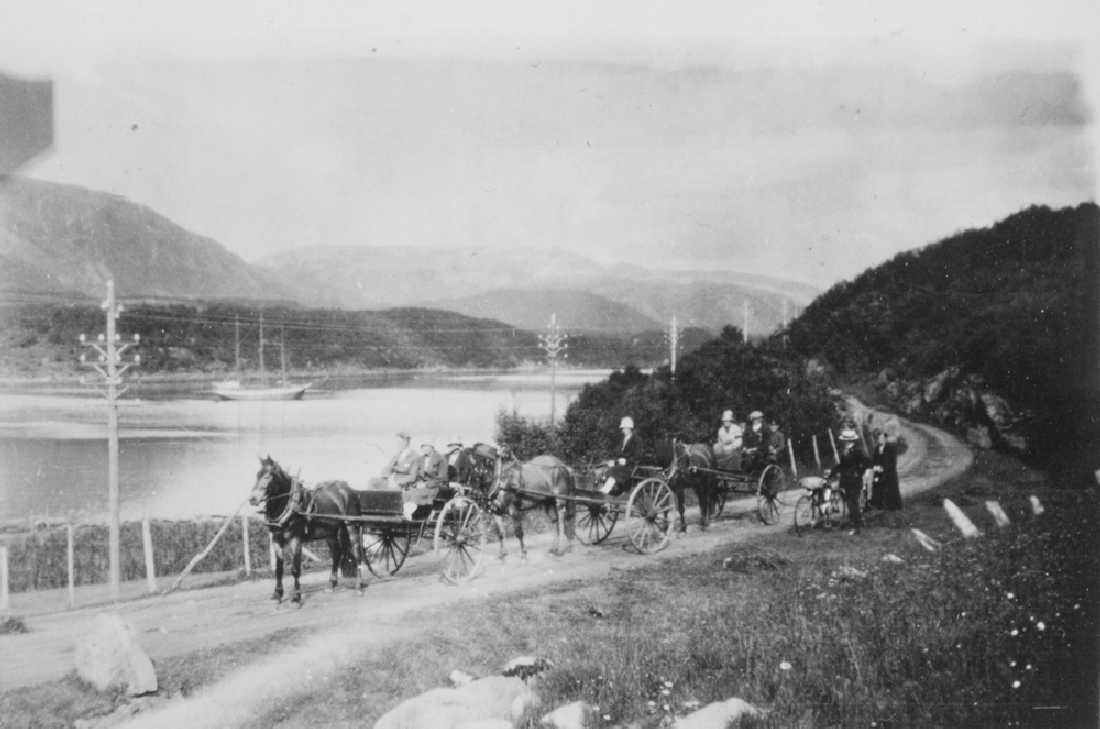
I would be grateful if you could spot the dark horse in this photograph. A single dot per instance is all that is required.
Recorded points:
(690, 465)
(538, 482)
(290, 511)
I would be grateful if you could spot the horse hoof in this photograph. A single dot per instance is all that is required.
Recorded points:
(683, 528)
(277, 596)
(297, 599)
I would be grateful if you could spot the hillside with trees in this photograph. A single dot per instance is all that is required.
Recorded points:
(991, 331)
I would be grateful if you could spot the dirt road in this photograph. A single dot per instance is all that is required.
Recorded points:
(183, 622)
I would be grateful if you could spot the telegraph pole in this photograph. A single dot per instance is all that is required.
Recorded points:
(263, 372)
(111, 367)
(745, 320)
(673, 345)
(237, 343)
(554, 344)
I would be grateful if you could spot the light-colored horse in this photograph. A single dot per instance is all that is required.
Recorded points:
(542, 481)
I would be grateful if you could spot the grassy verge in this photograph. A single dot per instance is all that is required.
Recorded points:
(57, 704)
(821, 630)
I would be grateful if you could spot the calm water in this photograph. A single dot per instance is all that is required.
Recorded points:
(182, 453)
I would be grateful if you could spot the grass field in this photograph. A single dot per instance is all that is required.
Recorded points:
(820, 630)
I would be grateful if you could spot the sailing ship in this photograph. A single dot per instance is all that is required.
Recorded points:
(235, 390)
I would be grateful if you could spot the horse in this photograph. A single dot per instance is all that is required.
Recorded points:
(691, 465)
(520, 486)
(288, 509)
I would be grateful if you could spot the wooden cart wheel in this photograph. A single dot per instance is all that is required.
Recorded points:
(772, 480)
(460, 538)
(595, 522)
(647, 515)
(387, 552)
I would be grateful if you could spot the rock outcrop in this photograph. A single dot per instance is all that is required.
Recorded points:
(108, 655)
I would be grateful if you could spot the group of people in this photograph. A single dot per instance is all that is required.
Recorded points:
(855, 468)
(749, 447)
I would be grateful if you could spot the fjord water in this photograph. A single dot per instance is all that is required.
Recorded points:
(182, 453)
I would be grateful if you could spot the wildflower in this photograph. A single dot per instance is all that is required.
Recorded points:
(1012, 664)
(1016, 684)
(1013, 632)
(668, 684)
(1041, 626)
(607, 717)
(784, 666)
(1011, 596)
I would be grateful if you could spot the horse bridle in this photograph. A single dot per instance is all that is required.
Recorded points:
(261, 504)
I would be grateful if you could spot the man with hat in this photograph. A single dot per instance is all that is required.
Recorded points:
(630, 455)
(727, 449)
(431, 476)
(755, 439)
(404, 467)
(851, 469)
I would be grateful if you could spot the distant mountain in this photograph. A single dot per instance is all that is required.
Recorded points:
(64, 239)
(479, 281)
(575, 310)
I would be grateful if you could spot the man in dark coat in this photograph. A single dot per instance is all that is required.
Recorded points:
(853, 464)
(630, 455)
(887, 492)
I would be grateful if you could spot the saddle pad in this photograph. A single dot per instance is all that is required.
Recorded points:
(381, 502)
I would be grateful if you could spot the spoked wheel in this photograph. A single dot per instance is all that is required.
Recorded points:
(387, 550)
(595, 522)
(805, 514)
(460, 538)
(718, 505)
(772, 480)
(647, 515)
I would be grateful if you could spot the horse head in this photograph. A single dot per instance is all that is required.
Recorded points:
(271, 482)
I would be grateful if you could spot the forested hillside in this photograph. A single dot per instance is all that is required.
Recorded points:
(992, 331)
(40, 339)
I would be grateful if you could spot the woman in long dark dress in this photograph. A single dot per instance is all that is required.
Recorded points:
(886, 493)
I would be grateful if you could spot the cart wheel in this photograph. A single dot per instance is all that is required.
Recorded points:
(805, 514)
(387, 552)
(647, 515)
(595, 522)
(460, 537)
(719, 504)
(773, 479)
(768, 508)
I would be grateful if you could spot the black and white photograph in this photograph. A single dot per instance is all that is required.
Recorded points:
(580, 365)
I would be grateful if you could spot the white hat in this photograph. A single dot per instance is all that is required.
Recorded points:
(727, 416)
(756, 415)
(627, 422)
(848, 434)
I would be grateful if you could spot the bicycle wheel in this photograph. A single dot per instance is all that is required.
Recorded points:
(837, 511)
(806, 514)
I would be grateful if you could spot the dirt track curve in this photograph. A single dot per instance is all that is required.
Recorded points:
(180, 623)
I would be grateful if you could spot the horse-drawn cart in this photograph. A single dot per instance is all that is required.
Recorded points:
(646, 510)
(765, 483)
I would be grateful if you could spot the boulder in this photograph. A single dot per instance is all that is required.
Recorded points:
(448, 708)
(577, 715)
(107, 655)
(719, 715)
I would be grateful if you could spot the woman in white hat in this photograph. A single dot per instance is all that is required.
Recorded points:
(727, 449)
(851, 469)
(630, 455)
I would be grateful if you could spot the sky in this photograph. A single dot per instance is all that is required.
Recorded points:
(803, 139)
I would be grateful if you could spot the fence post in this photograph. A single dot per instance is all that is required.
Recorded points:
(836, 453)
(247, 550)
(147, 547)
(70, 559)
(817, 453)
(4, 604)
(790, 452)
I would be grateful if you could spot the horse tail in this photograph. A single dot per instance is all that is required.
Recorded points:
(349, 564)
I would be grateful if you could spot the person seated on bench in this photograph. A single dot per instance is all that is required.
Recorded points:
(403, 468)
(630, 455)
(727, 450)
(777, 442)
(431, 475)
(755, 442)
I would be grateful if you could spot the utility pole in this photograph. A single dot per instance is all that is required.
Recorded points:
(554, 344)
(111, 367)
(263, 372)
(237, 343)
(745, 320)
(282, 353)
(673, 345)
(784, 312)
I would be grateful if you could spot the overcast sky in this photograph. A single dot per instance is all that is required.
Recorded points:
(805, 139)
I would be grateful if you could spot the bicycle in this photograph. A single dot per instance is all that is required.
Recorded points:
(822, 504)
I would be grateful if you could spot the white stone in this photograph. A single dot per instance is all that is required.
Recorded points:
(576, 715)
(893, 558)
(1036, 505)
(459, 678)
(108, 654)
(960, 520)
(925, 541)
(447, 708)
(718, 715)
(999, 515)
